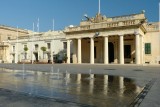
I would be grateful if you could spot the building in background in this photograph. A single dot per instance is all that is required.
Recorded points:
(45, 47)
(7, 33)
(119, 40)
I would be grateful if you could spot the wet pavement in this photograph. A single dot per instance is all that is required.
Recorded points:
(75, 85)
(55, 88)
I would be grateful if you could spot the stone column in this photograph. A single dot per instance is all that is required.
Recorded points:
(79, 51)
(16, 53)
(75, 51)
(137, 53)
(115, 52)
(92, 50)
(51, 50)
(121, 50)
(142, 50)
(68, 51)
(106, 50)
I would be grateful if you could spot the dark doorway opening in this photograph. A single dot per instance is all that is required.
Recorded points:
(111, 52)
(36, 57)
(127, 51)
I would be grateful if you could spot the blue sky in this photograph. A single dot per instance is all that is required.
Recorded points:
(23, 13)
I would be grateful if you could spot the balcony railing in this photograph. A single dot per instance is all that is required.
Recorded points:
(152, 28)
(103, 25)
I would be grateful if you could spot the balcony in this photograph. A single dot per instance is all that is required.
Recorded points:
(153, 27)
(104, 25)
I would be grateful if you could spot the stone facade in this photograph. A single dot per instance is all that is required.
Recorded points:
(119, 40)
(52, 41)
(7, 33)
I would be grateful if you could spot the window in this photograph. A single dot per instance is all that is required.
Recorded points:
(36, 47)
(127, 51)
(49, 45)
(9, 38)
(147, 48)
(13, 48)
(64, 45)
(25, 46)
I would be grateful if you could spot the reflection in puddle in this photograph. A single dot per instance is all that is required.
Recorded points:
(91, 89)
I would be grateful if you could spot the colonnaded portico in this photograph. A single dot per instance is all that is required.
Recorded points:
(105, 40)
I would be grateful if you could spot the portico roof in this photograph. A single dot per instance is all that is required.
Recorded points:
(100, 22)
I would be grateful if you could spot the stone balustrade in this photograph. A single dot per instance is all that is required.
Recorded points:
(152, 28)
(102, 25)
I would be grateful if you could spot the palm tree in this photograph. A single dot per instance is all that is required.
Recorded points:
(25, 54)
(43, 49)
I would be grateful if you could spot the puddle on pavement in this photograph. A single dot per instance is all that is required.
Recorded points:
(90, 89)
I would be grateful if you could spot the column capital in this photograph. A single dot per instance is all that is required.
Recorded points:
(91, 37)
(79, 38)
(69, 40)
(106, 36)
(136, 33)
(121, 35)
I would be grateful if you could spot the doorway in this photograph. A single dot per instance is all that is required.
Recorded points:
(36, 57)
(127, 51)
(111, 52)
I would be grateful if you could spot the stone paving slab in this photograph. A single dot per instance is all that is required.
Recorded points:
(142, 73)
(15, 99)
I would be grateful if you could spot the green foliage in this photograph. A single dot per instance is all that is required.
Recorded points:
(65, 57)
(25, 49)
(43, 48)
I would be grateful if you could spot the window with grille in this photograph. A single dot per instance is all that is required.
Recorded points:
(147, 48)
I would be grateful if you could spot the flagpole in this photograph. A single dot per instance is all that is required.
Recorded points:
(17, 46)
(99, 10)
(53, 25)
(32, 45)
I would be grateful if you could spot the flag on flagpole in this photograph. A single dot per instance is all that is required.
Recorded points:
(17, 47)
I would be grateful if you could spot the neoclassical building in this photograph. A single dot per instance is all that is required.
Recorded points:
(7, 33)
(119, 40)
(27, 49)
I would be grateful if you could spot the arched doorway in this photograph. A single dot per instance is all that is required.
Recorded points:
(111, 52)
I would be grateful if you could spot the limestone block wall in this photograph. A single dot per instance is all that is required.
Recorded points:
(154, 39)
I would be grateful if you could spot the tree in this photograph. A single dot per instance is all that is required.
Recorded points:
(65, 57)
(25, 49)
(43, 49)
(25, 54)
